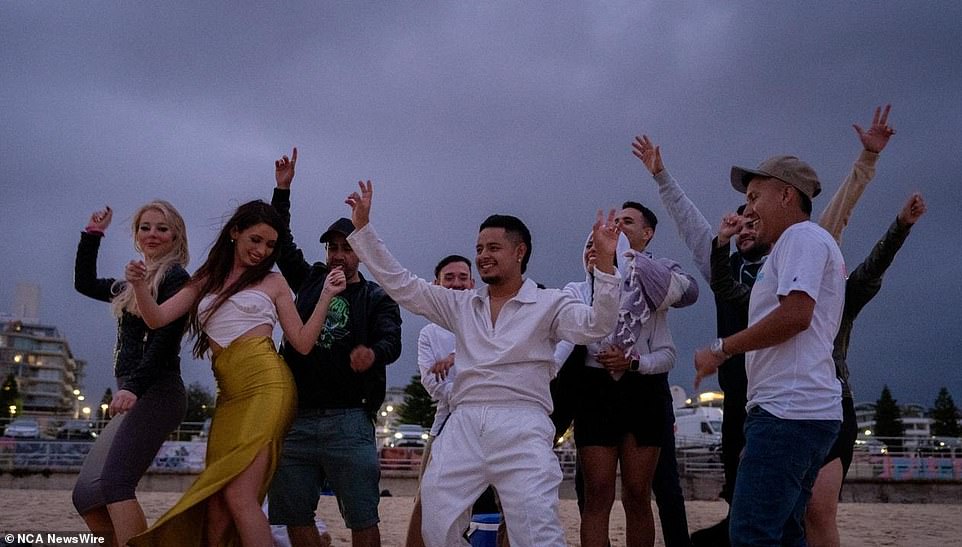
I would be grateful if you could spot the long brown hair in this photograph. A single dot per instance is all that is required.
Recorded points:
(177, 256)
(213, 273)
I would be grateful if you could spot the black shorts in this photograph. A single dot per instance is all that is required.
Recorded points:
(606, 410)
(845, 443)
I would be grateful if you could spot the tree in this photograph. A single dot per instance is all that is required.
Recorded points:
(105, 400)
(200, 403)
(10, 397)
(945, 416)
(888, 419)
(418, 407)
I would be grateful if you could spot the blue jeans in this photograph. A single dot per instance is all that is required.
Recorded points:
(775, 477)
(336, 444)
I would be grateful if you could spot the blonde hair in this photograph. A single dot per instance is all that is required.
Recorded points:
(178, 256)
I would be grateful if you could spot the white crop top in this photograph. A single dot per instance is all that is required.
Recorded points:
(241, 312)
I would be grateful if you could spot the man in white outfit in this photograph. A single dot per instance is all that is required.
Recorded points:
(498, 432)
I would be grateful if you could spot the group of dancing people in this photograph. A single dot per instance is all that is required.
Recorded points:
(512, 364)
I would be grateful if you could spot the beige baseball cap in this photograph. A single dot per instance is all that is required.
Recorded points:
(787, 169)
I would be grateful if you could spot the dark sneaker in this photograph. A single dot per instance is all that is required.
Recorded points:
(713, 536)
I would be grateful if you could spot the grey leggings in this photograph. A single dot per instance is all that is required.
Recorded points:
(127, 446)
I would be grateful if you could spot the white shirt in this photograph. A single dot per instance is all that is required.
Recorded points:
(795, 380)
(434, 344)
(509, 363)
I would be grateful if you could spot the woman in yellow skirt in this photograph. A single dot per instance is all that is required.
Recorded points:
(234, 301)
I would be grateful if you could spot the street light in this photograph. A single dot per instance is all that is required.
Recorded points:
(86, 411)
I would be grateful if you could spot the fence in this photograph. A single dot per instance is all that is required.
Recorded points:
(889, 460)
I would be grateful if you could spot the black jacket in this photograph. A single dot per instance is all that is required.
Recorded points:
(731, 280)
(862, 285)
(361, 315)
(142, 355)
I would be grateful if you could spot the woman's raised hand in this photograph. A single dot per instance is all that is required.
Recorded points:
(100, 220)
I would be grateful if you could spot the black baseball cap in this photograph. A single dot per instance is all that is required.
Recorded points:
(342, 226)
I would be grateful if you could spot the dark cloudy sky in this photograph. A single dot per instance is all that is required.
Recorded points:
(457, 110)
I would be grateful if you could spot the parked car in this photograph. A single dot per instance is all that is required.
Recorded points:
(76, 430)
(26, 428)
(411, 435)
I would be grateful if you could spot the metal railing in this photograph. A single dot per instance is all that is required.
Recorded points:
(894, 459)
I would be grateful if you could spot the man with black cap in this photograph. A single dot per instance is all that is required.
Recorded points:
(340, 386)
(794, 397)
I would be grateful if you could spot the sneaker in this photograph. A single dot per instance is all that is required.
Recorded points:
(713, 536)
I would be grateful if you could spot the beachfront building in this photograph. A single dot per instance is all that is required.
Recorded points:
(48, 375)
(917, 425)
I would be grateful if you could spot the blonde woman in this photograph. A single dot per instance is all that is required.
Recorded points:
(150, 401)
(234, 301)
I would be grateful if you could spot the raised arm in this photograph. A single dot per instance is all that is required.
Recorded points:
(578, 322)
(837, 213)
(866, 279)
(723, 282)
(417, 295)
(85, 279)
(290, 259)
(157, 315)
(692, 225)
(302, 336)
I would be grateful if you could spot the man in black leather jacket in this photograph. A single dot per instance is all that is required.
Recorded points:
(340, 386)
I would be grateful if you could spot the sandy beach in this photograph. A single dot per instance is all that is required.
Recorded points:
(860, 523)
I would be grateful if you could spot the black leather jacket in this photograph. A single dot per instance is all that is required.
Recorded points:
(365, 314)
(142, 355)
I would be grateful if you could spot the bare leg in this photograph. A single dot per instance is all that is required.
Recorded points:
(637, 471)
(599, 465)
(241, 496)
(821, 529)
(98, 521)
(414, 538)
(218, 519)
(128, 520)
(304, 536)
(366, 537)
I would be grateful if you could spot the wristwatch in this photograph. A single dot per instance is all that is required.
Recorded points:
(634, 364)
(718, 349)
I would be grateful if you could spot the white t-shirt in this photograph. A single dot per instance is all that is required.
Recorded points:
(795, 380)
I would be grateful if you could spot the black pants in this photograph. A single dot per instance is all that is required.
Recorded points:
(734, 383)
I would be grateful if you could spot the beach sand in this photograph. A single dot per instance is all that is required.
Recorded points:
(859, 523)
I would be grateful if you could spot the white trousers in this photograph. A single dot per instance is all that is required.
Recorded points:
(509, 447)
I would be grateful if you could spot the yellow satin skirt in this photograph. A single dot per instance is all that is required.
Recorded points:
(256, 403)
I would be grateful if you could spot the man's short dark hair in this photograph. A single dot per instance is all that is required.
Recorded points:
(515, 229)
(450, 259)
(804, 202)
(650, 217)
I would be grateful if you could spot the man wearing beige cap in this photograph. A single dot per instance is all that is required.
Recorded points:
(794, 397)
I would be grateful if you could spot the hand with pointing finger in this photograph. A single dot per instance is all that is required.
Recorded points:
(284, 170)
